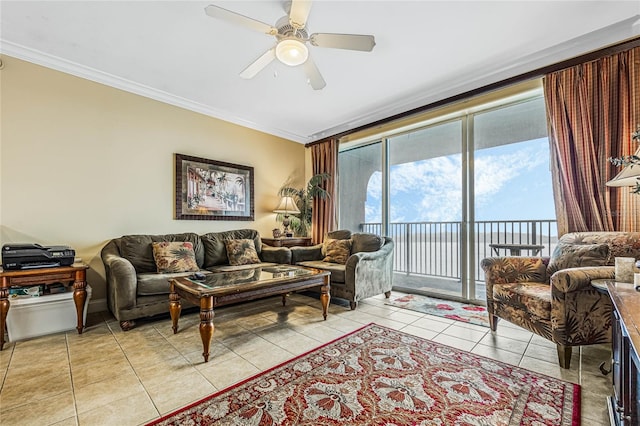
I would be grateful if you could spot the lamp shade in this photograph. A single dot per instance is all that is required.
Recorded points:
(287, 205)
(292, 52)
(628, 176)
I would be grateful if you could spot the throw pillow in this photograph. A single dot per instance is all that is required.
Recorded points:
(576, 255)
(338, 251)
(176, 256)
(241, 252)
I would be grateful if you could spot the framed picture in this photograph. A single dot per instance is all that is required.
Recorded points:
(212, 190)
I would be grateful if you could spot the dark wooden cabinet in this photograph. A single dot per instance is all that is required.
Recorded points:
(623, 405)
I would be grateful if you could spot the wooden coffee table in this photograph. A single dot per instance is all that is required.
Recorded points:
(223, 288)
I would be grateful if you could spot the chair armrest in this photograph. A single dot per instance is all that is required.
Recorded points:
(304, 254)
(370, 273)
(122, 281)
(513, 269)
(577, 279)
(281, 255)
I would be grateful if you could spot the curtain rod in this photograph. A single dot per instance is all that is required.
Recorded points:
(587, 57)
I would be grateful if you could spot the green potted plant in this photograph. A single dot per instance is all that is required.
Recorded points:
(303, 197)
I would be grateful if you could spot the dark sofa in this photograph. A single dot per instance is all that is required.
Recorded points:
(136, 290)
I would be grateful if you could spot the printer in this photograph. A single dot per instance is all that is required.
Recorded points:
(32, 256)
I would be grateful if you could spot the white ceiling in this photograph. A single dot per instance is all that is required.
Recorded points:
(425, 51)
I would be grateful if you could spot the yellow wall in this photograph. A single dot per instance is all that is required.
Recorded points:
(81, 163)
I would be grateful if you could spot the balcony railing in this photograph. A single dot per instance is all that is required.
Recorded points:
(434, 248)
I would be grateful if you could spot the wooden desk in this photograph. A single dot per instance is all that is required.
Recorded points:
(287, 241)
(516, 249)
(75, 273)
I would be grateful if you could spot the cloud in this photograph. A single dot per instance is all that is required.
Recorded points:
(431, 190)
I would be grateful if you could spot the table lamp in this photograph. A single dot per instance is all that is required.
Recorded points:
(286, 207)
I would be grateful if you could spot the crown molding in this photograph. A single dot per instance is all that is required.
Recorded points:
(50, 61)
(525, 66)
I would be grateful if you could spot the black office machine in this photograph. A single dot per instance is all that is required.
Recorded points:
(32, 256)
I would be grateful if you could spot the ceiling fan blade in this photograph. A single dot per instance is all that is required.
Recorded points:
(361, 42)
(299, 13)
(258, 65)
(313, 74)
(236, 18)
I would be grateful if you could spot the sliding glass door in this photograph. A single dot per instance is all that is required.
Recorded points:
(452, 192)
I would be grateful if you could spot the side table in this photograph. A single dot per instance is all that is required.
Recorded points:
(75, 273)
(287, 241)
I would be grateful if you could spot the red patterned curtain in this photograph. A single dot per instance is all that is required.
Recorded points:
(592, 109)
(324, 159)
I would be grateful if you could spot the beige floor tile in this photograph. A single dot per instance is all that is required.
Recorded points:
(192, 386)
(505, 343)
(405, 316)
(550, 354)
(265, 360)
(550, 369)
(90, 372)
(515, 333)
(431, 324)
(102, 393)
(131, 409)
(299, 344)
(226, 373)
(455, 342)
(49, 384)
(45, 411)
(497, 354)
(419, 332)
(465, 333)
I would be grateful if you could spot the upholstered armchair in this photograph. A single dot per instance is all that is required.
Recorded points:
(553, 297)
(361, 264)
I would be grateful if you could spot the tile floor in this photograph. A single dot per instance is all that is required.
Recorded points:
(109, 377)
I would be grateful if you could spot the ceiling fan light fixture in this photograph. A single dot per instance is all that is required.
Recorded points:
(292, 52)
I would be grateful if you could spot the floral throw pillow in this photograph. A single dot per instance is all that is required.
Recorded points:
(176, 256)
(337, 251)
(241, 252)
(576, 255)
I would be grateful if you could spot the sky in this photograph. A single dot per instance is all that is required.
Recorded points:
(512, 182)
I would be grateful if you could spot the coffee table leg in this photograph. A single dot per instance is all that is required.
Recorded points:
(206, 324)
(174, 307)
(325, 297)
(284, 299)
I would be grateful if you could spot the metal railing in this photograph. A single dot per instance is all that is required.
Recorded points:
(434, 248)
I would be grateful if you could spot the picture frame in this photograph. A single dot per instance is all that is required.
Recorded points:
(212, 190)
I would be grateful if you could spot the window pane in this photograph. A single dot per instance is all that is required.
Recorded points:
(425, 193)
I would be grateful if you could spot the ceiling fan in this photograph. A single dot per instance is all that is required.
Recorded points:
(292, 37)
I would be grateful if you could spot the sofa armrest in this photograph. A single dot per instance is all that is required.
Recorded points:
(513, 269)
(122, 281)
(305, 254)
(577, 279)
(281, 255)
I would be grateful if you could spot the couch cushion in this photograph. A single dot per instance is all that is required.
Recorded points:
(337, 270)
(174, 256)
(528, 297)
(215, 251)
(241, 252)
(621, 244)
(567, 255)
(337, 251)
(154, 283)
(138, 250)
(342, 234)
(363, 242)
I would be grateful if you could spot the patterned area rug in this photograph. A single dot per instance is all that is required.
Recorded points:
(472, 314)
(379, 376)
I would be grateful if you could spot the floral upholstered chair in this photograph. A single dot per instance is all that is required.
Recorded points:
(553, 297)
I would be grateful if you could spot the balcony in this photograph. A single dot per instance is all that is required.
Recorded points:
(428, 255)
